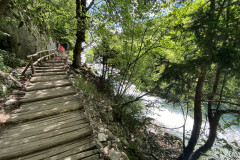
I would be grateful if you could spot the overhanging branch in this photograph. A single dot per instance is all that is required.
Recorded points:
(236, 104)
(90, 5)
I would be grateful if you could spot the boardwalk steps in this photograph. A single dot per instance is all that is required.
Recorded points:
(50, 123)
(47, 85)
(49, 74)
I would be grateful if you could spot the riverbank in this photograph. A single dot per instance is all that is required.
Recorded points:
(136, 138)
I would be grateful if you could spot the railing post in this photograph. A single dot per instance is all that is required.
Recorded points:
(32, 67)
(40, 55)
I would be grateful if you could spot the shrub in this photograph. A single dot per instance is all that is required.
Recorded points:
(10, 60)
(71, 54)
(86, 86)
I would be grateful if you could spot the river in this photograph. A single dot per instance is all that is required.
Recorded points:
(171, 118)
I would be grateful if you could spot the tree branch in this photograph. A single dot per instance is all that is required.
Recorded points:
(90, 5)
(236, 104)
(229, 111)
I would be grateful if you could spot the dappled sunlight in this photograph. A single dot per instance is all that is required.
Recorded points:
(53, 126)
(4, 117)
(48, 117)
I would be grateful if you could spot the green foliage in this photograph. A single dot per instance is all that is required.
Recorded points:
(2, 65)
(128, 115)
(159, 46)
(90, 56)
(71, 54)
(86, 86)
(55, 18)
(9, 60)
(12, 61)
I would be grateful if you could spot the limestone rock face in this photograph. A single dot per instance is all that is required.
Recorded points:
(24, 40)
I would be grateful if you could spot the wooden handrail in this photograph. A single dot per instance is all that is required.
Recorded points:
(35, 54)
(31, 63)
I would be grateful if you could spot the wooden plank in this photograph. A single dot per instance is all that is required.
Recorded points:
(32, 67)
(71, 153)
(57, 118)
(56, 150)
(39, 137)
(51, 70)
(53, 64)
(55, 61)
(35, 114)
(49, 73)
(46, 85)
(28, 65)
(24, 149)
(48, 67)
(48, 78)
(94, 157)
(94, 153)
(44, 122)
(28, 108)
(40, 52)
(26, 131)
(34, 109)
(44, 103)
(47, 94)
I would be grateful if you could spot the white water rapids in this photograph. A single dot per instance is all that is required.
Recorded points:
(171, 117)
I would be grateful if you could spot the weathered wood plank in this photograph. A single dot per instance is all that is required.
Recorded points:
(94, 157)
(44, 122)
(44, 103)
(56, 150)
(71, 153)
(40, 137)
(44, 112)
(52, 64)
(46, 85)
(39, 108)
(17, 151)
(86, 154)
(48, 78)
(49, 73)
(55, 61)
(48, 67)
(50, 70)
(47, 94)
(55, 127)
(16, 133)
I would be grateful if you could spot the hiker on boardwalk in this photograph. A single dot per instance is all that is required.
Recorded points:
(61, 50)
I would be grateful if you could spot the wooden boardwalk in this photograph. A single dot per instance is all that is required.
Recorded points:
(50, 123)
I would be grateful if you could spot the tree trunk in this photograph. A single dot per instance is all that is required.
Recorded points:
(81, 28)
(211, 138)
(197, 119)
(214, 90)
(3, 5)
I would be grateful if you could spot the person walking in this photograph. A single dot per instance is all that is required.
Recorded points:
(61, 50)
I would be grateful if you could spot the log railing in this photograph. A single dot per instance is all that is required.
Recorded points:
(50, 53)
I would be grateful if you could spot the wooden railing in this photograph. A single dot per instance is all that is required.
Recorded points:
(48, 55)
